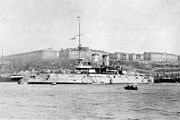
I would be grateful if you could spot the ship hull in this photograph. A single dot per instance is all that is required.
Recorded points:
(5, 79)
(87, 79)
(167, 80)
(11, 79)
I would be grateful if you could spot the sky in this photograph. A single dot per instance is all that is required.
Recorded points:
(132, 26)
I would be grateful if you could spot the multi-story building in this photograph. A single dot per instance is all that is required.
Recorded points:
(115, 56)
(160, 57)
(119, 56)
(49, 54)
(132, 57)
(123, 56)
(170, 58)
(139, 57)
(126, 56)
(85, 53)
(179, 58)
(147, 56)
(46, 54)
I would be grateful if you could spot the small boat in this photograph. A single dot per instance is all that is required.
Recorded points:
(130, 87)
(53, 83)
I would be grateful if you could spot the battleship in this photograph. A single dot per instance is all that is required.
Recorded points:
(91, 73)
(89, 78)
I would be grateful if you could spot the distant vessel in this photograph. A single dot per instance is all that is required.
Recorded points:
(11, 78)
(167, 78)
(6, 77)
(90, 74)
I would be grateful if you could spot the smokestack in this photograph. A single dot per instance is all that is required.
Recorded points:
(95, 59)
(105, 60)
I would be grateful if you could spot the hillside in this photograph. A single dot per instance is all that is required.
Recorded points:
(149, 66)
(18, 64)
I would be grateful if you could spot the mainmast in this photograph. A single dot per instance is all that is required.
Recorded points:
(79, 47)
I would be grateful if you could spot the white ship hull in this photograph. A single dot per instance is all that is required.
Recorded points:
(89, 79)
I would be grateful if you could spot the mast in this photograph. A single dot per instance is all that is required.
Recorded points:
(79, 46)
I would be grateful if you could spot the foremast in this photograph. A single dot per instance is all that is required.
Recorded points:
(79, 46)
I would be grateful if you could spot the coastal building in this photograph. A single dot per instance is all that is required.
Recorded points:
(146, 56)
(160, 57)
(139, 57)
(115, 56)
(86, 53)
(119, 56)
(127, 56)
(142, 57)
(123, 56)
(132, 57)
(46, 54)
(179, 58)
(49, 54)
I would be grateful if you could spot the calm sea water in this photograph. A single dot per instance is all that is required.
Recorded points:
(150, 102)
